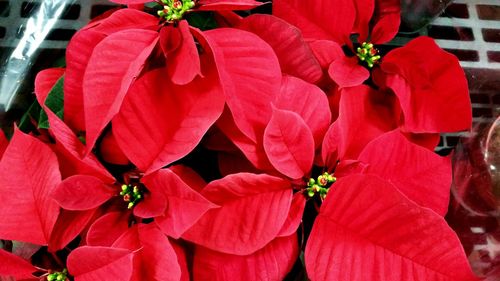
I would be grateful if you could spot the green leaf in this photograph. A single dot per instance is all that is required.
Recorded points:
(55, 102)
(202, 20)
(32, 113)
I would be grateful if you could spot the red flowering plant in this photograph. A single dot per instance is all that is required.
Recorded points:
(256, 147)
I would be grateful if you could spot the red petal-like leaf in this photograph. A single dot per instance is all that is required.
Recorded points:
(273, 262)
(82, 192)
(177, 117)
(15, 266)
(387, 19)
(93, 263)
(189, 176)
(294, 216)
(184, 205)
(253, 210)
(78, 53)
(367, 230)
(183, 63)
(420, 174)
(109, 75)
(68, 226)
(346, 72)
(105, 230)
(294, 54)
(364, 115)
(326, 52)
(228, 5)
(28, 173)
(308, 101)
(44, 81)
(3, 143)
(364, 12)
(289, 144)
(332, 20)
(429, 83)
(250, 76)
(156, 259)
(70, 151)
(123, 19)
(111, 152)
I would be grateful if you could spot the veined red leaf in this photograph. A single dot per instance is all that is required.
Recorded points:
(294, 215)
(177, 117)
(364, 115)
(294, 54)
(68, 226)
(106, 229)
(326, 52)
(273, 262)
(420, 174)
(81, 192)
(70, 149)
(368, 230)
(184, 205)
(331, 20)
(78, 53)
(308, 101)
(109, 75)
(436, 72)
(228, 5)
(253, 210)
(346, 72)
(155, 259)
(253, 151)
(250, 76)
(15, 266)
(44, 81)
(289, 144)
(28, 173)
(88, 263)
(183, 63)
(123, 19)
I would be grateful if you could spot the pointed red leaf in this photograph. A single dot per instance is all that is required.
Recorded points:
(228, 5)
(420, 174)
(364, 115)
(70, 151)
(109, 75)
(183, 63)
(105, 230)
(289, 144)
(332, 19)
(78, 53)
(156, 258)
(68, 226)
(81, 192)
(177, 117)
(3, 143)
(294, 54)
(184, 205)
(250, 76)
(386, 20)
(326, 52)
(367, 230)
(294, 215)
(253, 210)
(28, 173)
(364, 13)
(253, 151)
(93, 263)
(273, 262)
(15, 266)
(44, 81)
(430, 81)
(346, 72)
(123, 19)
(308, 101)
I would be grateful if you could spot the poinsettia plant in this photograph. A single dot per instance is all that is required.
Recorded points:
(184, 140)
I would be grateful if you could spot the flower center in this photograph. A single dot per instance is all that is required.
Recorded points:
(321, 185)
(173, 10)
(368, 54)
(131, 194)
(58, 276)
